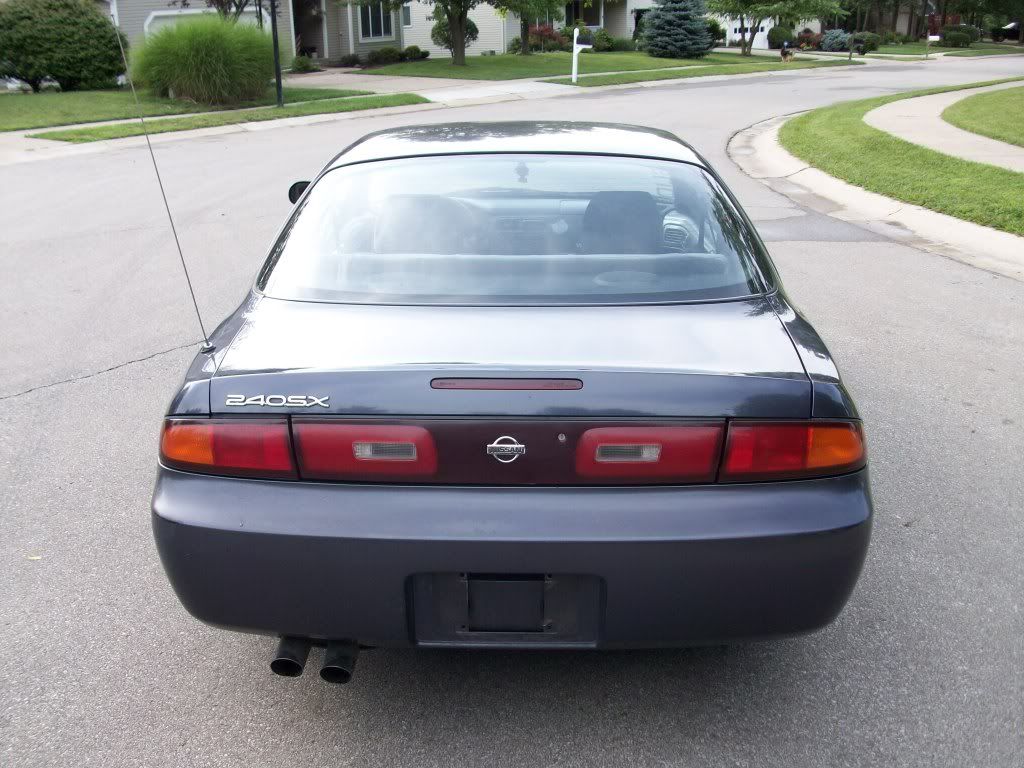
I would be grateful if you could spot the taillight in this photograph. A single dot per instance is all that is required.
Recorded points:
(328, 451)
(791, 450)
(687, 453)
(228, 447)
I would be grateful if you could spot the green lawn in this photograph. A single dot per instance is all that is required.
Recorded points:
(838, 141)
(43, 110)
(513, 67)
(1002, 50)
(997, 114)
(976, 49)
(212, 120)
(676, 74)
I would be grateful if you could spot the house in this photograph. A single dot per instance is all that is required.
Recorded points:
(325, 29)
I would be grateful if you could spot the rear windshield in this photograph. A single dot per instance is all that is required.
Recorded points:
(513, 229)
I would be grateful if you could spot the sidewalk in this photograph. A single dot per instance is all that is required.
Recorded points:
(758, 153)
(919, 121)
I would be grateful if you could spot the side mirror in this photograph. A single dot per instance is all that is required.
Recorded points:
(295, 190)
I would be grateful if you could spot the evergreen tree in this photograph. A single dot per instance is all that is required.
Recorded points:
(677, 29)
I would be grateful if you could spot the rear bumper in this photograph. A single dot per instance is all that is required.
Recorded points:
(676, 566)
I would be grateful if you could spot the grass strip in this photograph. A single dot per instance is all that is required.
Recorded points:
(837, 141)
(1007, 51)
(997, 114)
(515, 67)
(622, 78)
(23, 111)
(322, 107)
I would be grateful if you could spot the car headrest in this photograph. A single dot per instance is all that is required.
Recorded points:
(622, 222)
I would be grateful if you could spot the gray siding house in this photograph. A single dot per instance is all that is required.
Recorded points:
(325, 29)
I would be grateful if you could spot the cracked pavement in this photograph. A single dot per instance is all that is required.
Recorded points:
(100, 666)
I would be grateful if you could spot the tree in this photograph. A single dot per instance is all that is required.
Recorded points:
(677, 29)
(454, 12)
(441, 34)
(529, 10)
(752, 13)
(229, 9)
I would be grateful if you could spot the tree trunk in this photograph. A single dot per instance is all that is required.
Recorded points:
(744, 48)
(457, 27)
(524, 36)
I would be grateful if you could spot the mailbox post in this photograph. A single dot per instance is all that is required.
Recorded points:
(928, 43)
(577, 46)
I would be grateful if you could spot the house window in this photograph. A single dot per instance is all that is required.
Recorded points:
(406, 15)
(374, 22)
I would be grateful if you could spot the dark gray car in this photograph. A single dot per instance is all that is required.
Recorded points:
(521, 385)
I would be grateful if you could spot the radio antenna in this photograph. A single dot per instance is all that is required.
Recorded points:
(207, 346)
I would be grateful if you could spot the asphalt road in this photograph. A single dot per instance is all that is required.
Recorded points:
(100, 666)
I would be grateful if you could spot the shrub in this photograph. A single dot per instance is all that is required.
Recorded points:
(603, 41)
(808, 40)
(956, 39)
(835, 40)
(302, 64)
(779, 35)
(865, 42)
(716, 30)
(350, 60)
(515, 45)
(908, 39)
(70, 41)
(623, 44)
(973, 33)
(544, 37)
(890, 38)
(415, 53)
(677, 29)
(207, 59)
(442, 36)
(378, 57)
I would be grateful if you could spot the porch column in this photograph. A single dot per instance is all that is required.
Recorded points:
(351, 30)
(600, 18)
(323, 29)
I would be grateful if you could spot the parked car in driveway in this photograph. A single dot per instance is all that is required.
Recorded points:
(517, 385)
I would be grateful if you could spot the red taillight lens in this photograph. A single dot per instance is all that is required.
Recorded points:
(228, 447)
(363, 452)
(791, 450)
(687, 453)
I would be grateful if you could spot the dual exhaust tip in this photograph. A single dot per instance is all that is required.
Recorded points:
(339, 659)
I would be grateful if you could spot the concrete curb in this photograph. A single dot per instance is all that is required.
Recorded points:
(756, 150)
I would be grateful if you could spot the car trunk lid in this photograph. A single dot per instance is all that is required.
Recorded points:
(700, 360)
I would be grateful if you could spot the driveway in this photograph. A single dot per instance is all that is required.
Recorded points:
(100, 666)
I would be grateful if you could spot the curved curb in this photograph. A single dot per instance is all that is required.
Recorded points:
(756, 150)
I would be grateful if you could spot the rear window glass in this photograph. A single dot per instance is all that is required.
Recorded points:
(513, 229)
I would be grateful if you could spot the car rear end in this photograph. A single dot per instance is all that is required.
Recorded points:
(514, 427)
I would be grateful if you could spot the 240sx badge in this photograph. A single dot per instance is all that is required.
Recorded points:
(295, 401)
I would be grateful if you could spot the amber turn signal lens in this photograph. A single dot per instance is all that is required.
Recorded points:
(791, 450)
(228, 447)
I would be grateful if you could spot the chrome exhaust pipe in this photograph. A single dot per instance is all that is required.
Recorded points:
(290, 659)
(339, 661)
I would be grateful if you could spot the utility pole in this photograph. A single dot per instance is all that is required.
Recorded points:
(277, 53)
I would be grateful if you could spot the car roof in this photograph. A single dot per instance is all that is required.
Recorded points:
(515, 137)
